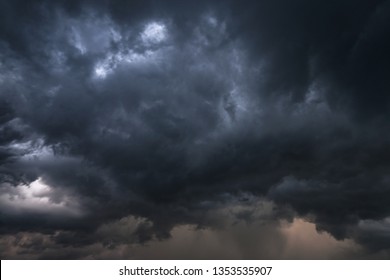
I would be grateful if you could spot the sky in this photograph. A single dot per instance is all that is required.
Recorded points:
(195, 129)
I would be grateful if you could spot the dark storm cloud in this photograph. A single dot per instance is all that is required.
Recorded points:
(166, 111)
(343, 42)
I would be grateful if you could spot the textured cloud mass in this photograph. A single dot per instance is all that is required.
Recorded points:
(127, 127)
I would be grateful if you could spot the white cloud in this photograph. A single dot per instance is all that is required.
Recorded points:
(154, 33)
(36, 198)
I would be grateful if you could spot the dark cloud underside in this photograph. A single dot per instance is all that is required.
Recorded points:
(128, 122)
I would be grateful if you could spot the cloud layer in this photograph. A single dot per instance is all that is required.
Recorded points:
(123, 122)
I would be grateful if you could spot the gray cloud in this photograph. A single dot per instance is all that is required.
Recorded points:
(165, 112)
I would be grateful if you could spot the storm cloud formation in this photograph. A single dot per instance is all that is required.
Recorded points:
(126, 122)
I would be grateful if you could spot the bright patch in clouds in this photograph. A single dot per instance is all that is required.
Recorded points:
(103, 68)
(154, 33)
(108, 65)
(36, 198)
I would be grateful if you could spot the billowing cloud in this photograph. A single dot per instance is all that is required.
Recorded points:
(128, 123)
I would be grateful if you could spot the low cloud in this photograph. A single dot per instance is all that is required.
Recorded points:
(133, 124)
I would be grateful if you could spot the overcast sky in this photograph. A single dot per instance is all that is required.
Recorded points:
(195, 129)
